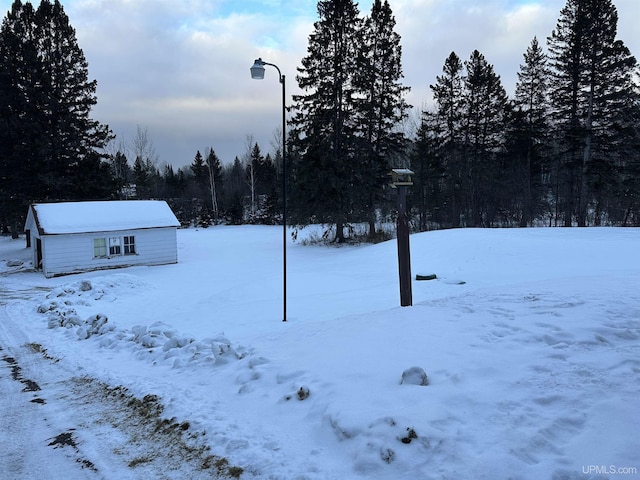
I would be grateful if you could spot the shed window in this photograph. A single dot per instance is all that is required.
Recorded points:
(129, 245)
(99, 247)
(114, 246)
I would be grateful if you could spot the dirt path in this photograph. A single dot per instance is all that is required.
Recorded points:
(57, 424)
(26, 424)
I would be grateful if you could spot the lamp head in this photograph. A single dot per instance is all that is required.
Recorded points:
(257, 70)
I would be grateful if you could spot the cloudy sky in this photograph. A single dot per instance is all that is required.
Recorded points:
(180, 69)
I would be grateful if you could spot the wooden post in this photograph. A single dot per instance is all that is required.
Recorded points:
(404, 254)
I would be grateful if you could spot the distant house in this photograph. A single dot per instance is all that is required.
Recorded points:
(74, 237)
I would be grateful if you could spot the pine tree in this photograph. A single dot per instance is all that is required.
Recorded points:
(380, 105)
(528, 135)
(121, 172)
(170, 180)
(253, 176)
(448, 95)
(270, 189)
(142, 178)
(235, 189)
(428, 164)
(68, 96)
(485, 102)
(215, 181)
(19, 115)
(93, 179)
(323, 119)
(199, 190)
(47, 99)
(592, 86)
(199, 170)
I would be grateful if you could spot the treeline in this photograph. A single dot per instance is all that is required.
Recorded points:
(565, 150)
(205, 192)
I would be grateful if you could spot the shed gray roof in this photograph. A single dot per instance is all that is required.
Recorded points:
(107, 216)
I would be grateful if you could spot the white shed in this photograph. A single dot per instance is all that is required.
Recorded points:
(74, 237)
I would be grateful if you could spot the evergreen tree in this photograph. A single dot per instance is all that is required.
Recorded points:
(591, 91)
(67, 98)
(22, 125)
(626, 200)
(428, 164)
(46, 98)
(448, 95)
(261, 178)
(142, 178)
(464, 141)
(18, 69)
(528, 135)
(156, 184)
(200, 173)
(485, 102)
(93, 179)
(216, 179)
(121, 172)
(323, 119)
(270, 189)
(380, 105)
(199, 190)
(235, 189)
(254, 160)
(170, 180)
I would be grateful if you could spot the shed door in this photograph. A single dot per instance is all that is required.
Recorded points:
(38, 254)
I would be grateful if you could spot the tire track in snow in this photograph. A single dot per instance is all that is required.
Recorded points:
(60, 425)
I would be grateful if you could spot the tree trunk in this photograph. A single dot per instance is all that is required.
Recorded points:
(339, 232)
(586, 158)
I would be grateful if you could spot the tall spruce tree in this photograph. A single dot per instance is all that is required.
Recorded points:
(484, 103)
(465, 137)
(380, 106)
(19, 115)
(46, 100)
(254, 161)
(448, 95)
(235, 189)
(591, 90)
(142, 178)
(121, 172)
(323, 122)
(200, 181)
(528, 135)
(428, 163)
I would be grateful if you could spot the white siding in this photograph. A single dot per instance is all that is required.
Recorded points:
(64, 254)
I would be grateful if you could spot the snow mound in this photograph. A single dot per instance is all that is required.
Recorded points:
(157, 343)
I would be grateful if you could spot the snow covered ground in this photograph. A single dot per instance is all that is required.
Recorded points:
(529, 339)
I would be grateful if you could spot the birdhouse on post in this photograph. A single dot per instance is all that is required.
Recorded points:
(401, 177)
(401, 180)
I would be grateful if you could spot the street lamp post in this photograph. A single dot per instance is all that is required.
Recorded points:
(257, 73)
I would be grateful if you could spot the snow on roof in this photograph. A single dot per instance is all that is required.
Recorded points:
(106, 216)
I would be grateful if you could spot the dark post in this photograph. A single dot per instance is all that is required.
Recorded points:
(404, 255)
(257, 72)
(284, 200)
